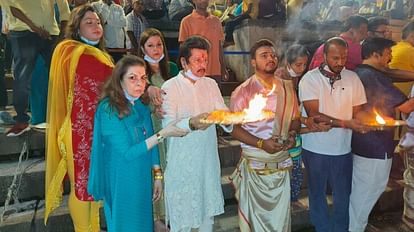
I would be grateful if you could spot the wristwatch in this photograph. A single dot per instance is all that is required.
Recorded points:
(191, 125)
(160, 138)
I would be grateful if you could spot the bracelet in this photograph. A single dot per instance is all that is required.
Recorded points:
(259, 143)
(160, 138)
(158, 173)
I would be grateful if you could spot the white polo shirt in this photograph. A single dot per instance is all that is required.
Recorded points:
(336, 101)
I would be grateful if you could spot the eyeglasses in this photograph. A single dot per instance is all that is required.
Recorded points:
(136, 79)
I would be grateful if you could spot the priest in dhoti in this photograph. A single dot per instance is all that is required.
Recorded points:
(261, 179)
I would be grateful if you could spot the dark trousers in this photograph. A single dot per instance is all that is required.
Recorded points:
(8, 54)
(231, 25)
(3, 91)
(26, 46)
(335, 171)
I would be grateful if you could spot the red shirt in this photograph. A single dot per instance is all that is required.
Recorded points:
(354, 55)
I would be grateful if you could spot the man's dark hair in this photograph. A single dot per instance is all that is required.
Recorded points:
(295, 51)
(375, 45)
(407, 29)
(334, 40)
(190, 43)
(375, 22)
(354, 21)
(258, 44)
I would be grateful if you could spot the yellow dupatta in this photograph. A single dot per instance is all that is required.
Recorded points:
(59, 107)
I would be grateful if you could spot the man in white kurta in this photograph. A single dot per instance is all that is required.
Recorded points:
(192, 177)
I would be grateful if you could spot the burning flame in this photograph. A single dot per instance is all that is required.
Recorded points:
(256, 105)
(379, 119)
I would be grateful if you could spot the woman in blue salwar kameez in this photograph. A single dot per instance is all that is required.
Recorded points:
(124, 154)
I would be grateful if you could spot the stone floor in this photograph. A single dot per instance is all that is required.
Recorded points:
(381, 221)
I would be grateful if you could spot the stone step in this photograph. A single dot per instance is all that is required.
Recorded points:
(30, 179)
(12, 146)
(33, 165)
(33, 186)
(30, 220)
(32, 182)
(26, 219)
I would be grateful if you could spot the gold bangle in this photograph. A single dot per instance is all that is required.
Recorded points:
(259, 143)
(158, 177)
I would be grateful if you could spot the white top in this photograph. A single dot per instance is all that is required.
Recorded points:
(337, 102)
(192, 177)
(114, 21)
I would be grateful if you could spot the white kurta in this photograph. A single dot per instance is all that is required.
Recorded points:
(114, 21)
(192, 177)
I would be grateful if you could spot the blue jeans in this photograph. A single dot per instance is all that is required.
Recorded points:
(337, 172)
(26, 46)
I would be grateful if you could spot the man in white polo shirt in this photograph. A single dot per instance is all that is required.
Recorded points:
(335, 94)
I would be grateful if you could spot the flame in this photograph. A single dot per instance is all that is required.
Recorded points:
(255, 111)
(379, 119)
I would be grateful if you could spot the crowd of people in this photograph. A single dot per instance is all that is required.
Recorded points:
(129, 130)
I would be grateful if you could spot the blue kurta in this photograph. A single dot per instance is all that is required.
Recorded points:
(120, 169)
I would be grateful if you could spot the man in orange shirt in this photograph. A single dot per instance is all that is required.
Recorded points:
(202, 23)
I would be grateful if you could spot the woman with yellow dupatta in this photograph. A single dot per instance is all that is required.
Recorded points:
(78, 70)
